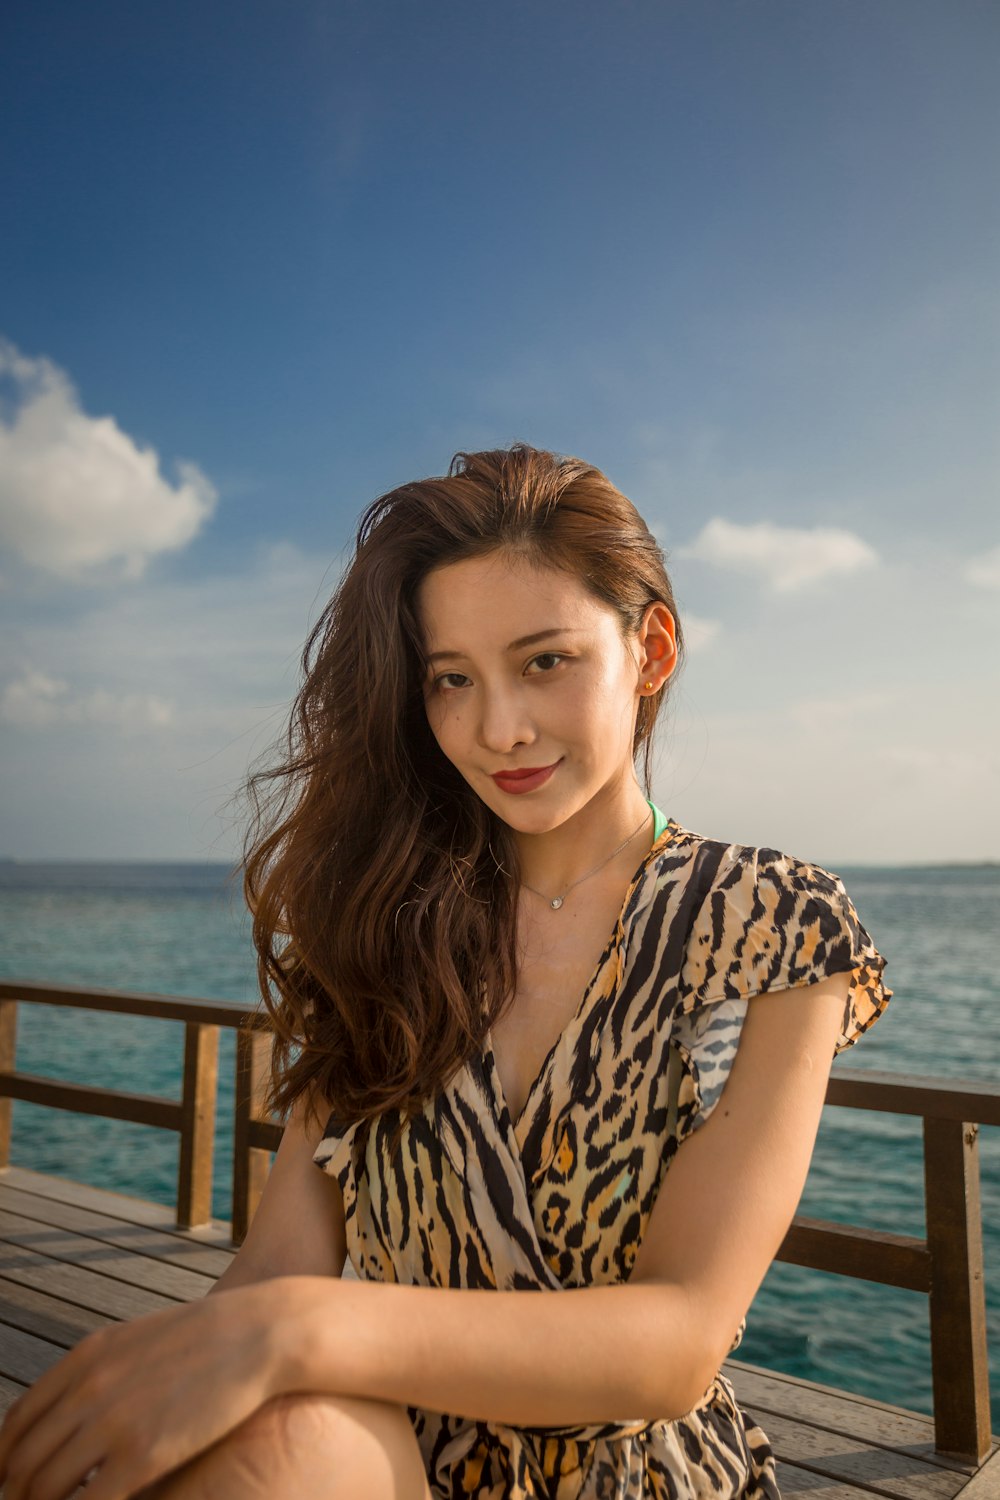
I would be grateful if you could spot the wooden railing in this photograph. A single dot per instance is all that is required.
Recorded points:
(947, 1265)
(193, 1115)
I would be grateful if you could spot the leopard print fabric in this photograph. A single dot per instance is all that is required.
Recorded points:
(560, 1197)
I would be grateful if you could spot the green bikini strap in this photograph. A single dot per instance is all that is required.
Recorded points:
(659, 821)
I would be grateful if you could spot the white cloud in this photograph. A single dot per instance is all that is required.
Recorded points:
(212, 656)
(36, 701)
(79, 498)
(216, 658)
(789, 558)
(985, 569)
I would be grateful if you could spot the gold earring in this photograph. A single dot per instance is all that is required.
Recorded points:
(648, 684)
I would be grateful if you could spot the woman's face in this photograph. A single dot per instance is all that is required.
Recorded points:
(527, 670)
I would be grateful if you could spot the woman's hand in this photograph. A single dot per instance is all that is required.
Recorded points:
(135, 1400)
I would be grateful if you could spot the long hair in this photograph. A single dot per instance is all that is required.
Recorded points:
(383, 891)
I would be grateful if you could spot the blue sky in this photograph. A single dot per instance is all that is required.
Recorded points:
(260, 263)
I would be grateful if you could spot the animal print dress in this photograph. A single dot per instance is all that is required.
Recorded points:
(560, 1197)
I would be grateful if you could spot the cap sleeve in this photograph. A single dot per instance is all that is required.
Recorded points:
(771, 921)
(333, 1154)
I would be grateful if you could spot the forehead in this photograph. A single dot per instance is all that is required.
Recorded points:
(479, 598)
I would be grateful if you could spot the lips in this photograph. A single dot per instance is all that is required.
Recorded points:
(524, 780)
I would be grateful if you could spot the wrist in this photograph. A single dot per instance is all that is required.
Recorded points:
(297, 1352)
(276, 1308)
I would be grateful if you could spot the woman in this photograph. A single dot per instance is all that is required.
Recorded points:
(512, 1031)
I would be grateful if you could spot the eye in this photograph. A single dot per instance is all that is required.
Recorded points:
(442, 681)
(553, 657)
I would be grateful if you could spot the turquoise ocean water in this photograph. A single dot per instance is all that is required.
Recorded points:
(178, 929)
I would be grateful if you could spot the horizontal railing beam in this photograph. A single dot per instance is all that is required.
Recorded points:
(853, 1250)
(132, 1003)
(916, 1094)
(264, 1135)
(892, 1093)
(83, 1099)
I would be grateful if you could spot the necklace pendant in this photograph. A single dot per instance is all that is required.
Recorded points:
(556, 902)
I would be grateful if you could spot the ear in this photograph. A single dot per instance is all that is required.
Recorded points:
(657, 640)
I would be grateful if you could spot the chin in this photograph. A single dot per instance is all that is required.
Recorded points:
(534, 819)
(524, 819)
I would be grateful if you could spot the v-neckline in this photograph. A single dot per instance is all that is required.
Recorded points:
(666, 837)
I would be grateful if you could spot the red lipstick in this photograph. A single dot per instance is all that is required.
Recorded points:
(524, 781)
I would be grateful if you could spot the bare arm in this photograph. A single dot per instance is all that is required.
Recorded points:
(298, 1229)
(646, 1349)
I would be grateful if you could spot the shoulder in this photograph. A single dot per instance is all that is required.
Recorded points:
(714, 881)
(744, 919)
(710, 862)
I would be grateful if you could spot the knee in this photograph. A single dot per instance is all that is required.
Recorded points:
(308, 1417)
(298, 1416)
(274, 1443)
(251, 1454)
(346, 1446)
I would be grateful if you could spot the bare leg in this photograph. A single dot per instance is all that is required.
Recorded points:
(337, 1447)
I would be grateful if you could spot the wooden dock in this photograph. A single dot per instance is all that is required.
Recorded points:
(74, 1258)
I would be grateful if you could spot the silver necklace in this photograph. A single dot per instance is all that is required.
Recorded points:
(556, 901)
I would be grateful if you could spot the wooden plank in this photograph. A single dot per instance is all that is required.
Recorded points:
(86, 1288)
(764, 1392)
(851, 1460)
(116, 1205)
(985, 1483)
(153, 1243)
(742, 1370)
(24, 1357)
(50, 1318)
(793, 1482)
(97, 1255)
(9, 1392)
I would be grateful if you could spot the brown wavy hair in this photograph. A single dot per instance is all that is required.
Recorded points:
(383, 891)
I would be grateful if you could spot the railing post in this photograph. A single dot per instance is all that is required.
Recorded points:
(8, 1051)
(959, 1365)
(250, 1163)
(194, 1176)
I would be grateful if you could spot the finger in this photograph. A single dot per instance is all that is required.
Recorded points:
(28, 1409)
(60, 1474)
(115, 1480)
(47, 1437)
(8, 1427)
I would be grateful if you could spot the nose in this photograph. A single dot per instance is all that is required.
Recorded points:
(504, 721)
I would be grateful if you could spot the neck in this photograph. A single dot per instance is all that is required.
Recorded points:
(552, 862)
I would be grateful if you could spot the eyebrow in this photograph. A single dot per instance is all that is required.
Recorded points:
(519, 644)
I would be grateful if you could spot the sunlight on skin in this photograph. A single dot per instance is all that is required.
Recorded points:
(571, 698)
